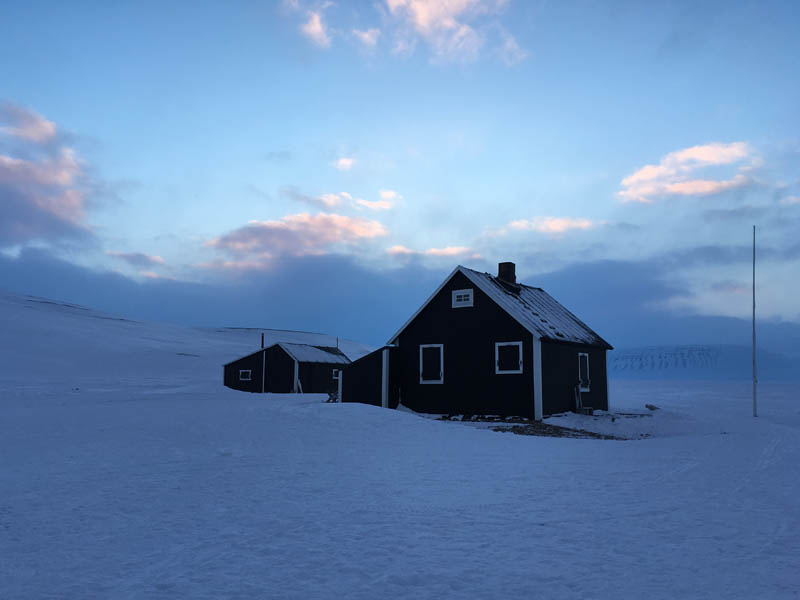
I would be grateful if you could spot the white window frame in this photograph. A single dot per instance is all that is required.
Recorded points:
(497, 370)
(588, 375)
(463, 303)
(441, 364)
(335, 374)
(249, 375)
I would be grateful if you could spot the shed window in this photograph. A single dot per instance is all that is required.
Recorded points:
(583, 371)
(462, 298)
(245, 375)
(507, 357)
(431, 363)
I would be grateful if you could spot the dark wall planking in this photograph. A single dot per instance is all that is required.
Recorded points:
(280, 371)
(318, 378)
(253, 362)
(469, 335)
(560, 377)
(362, 379)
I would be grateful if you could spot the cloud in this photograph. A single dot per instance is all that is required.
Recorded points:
(388, 199)
(389, 195)
(553, 225)
(454, 30)
(731, 287)
(510, 51)
(400, 251)
(443, 24)
(284, 296)
(25, 124)
(675, 175)
(790, 200)
(43, 195)
(340, 199)
(345, 163)
(375, 205)
(448, 251)
(368, 37)
(297, 235)
(323, 201)
(314, 29)
(137, 259)
(738, 213)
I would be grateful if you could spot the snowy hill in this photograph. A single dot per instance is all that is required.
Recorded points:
(128, 471)
(708, 362)
(49, 340)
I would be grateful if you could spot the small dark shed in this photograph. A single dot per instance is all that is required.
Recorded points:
(286, 367)
(485, 344)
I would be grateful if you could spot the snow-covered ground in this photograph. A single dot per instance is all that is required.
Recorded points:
(128, 471)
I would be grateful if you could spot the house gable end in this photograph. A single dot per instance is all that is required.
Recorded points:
(468, 281)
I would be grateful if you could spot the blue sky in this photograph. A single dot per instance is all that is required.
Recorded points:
(200, 144)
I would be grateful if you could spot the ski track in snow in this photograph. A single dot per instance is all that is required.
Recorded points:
(128, 471)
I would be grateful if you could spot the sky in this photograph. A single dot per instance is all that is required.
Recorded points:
(323, 165)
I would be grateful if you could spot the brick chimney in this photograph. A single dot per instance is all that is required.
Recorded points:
(506, 271)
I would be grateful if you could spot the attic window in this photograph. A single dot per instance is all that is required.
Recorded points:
(462, 298)
(245, 375)
(583, 371)
(507, 358)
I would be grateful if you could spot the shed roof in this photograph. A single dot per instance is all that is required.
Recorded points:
(531, 307)
(306, 353)
(315, 354)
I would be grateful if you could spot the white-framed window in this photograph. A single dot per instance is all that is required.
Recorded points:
(336, 373)
(583, 372)
(245, 375)
(431, 363)
(507, 358)
(462, 298)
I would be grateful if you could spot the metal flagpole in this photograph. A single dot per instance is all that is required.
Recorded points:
(755, 378)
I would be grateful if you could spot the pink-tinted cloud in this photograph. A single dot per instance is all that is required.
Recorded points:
(389, 195)
(60, 170)
(374, 204)
(400, 250)
(388, 199)
(138, 259)
(554, 225)
(297, 235)
(315, 29)
(450, 251)
(345, 163)
(24, 123)
(790, 200)
(676, 174)
(368, 37)
(42, 190)
(447, 27)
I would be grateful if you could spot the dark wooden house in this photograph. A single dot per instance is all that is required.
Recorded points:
(286, 367)
(484, 344)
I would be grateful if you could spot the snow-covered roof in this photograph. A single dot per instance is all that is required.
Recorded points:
(315, 354)
(531, 307)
